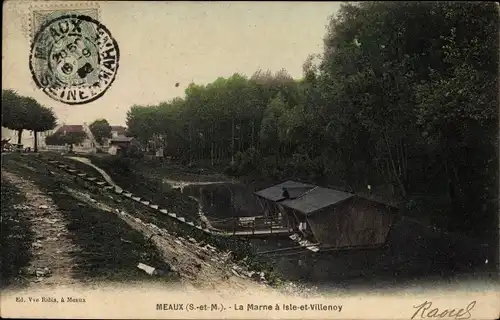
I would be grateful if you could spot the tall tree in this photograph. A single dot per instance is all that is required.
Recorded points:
(101, 129)
(272, 126)
(40, 118)
(412, 92)
(14, 113)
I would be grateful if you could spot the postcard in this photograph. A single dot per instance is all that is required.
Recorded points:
(250, 160)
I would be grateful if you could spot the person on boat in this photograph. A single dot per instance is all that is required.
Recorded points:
(285, 192)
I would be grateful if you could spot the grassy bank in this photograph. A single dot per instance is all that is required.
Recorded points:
(16, 238)
(109, 248)
(129, 175)
(240, 248)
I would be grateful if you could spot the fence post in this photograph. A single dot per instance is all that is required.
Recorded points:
(234, 226)
(253, 227)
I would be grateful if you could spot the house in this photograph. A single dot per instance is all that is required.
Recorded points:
(119, 143)
(334, 219)
(87, 146)
(118, 131)
(270, 198)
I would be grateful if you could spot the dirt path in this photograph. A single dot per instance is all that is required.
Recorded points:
(199, 267)
(52, 247)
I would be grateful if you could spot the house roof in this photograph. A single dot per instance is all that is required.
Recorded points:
(71, 128)
(118, 128)
(316, 199)
(307, 198)
(275, 193)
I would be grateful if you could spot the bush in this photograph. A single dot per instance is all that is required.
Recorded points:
(120, 164)
(134, 151)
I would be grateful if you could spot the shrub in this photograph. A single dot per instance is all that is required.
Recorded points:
(134, 151)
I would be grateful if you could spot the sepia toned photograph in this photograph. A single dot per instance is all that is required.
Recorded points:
(249, 160)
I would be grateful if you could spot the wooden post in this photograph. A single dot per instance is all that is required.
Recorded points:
(234, 225)
(253, 227)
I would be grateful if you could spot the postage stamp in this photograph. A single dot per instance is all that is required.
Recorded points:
(41, 13)
(73, 58)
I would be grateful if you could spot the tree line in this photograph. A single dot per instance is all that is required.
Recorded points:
(100, 129)
(405, 94)
(22, 113)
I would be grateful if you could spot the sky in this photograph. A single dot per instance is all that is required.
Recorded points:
(164, 43)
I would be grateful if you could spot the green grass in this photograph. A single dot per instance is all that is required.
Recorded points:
(129, 176)
(110, 249)
(241, 248)
(16, 237)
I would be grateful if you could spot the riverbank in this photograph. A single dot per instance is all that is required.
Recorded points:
(134, 176)
(203, 260)
(61, 238)
(413, 251)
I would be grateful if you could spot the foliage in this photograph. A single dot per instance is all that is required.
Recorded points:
(404, 95)
(101, 129)
(133, 151)
(25, 113)
(13, 113)
(40, 118)
(68, 138)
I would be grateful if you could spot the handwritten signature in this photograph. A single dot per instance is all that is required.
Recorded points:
(459, 314)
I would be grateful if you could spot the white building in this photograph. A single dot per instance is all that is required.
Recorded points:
(116, 131)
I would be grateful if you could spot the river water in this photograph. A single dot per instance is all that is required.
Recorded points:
(412, 251)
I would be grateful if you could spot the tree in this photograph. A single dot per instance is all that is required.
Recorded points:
(10, 99)
(40, 118)
(25, 113)
(404, 95)
(69, 138)
(101, 130)
(142, 123)
(14, 113)
(271, 133)
(55, 139)
(411, 91)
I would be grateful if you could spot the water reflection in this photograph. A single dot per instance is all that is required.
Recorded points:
(222, 199)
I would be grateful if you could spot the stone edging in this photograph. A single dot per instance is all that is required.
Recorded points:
(130, 195)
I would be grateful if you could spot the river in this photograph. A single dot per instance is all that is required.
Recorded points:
(412, 251)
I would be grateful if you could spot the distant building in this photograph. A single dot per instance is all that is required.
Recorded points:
(118, 131)
(87, 146)
(332, 218)
(119, 143)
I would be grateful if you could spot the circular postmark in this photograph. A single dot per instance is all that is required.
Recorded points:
(74, 59)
